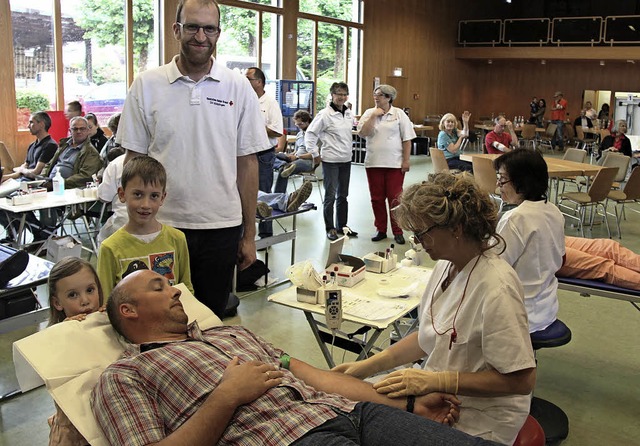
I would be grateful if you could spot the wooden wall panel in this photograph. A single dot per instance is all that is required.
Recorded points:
(507, 86)
(418, 36)
(170, 45)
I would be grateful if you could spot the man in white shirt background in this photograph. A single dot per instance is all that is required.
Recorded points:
(273, 125)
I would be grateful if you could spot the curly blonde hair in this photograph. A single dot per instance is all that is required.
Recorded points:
(449, 200)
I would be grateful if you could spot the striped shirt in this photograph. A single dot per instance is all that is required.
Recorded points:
(155, 388)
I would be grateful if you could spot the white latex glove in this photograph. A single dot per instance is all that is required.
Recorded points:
(417, 382)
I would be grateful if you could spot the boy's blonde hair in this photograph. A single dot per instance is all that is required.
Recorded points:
(150, 170)
(65, 268)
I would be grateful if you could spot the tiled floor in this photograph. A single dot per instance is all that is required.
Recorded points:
(594, 378)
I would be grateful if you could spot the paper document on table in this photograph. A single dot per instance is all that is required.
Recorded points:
(374, 310)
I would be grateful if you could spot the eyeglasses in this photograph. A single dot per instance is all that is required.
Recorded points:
(501, 181)
(78, 129)
(341, 94)
(417, 236)
(193, 28)
(376, 95)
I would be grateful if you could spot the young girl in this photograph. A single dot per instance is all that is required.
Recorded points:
(74, 292)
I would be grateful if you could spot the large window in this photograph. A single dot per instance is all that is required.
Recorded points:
(94, 57)
(250, 38)
(33, 59)
(348, 10)
(329, 52)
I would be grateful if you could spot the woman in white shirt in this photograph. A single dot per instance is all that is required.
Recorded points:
(533, 233)
(388, 132)
(473, 334)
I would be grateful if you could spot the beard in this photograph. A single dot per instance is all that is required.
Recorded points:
(196, 56)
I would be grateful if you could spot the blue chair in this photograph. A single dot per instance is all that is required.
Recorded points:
(553, 420)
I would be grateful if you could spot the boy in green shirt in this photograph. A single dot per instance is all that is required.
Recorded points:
(144, 242)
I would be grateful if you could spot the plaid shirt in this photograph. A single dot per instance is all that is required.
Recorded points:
(155, 388)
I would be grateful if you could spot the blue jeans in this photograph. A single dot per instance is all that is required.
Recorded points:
(558, 138)
(374, 424)
(212, 257)
(275, 200)
(457, 163)
(301, 166)
(336, 190)
(265, 182)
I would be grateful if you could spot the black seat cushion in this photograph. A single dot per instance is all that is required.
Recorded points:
(554, 335)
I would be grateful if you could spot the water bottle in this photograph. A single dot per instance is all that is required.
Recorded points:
(58, 184)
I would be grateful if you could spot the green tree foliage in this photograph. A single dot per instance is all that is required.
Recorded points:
(331, 42)
(240, 27)
(103, 20)
(32, 100)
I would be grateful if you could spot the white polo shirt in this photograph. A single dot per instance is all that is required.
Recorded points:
(334, 130)
(272, 116)
(384, 146)
(196, 130)
(534, 235)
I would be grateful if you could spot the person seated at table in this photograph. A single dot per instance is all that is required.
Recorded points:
(473, 334)
(96, 134)
(601, 259)
(451, 141)
(77, 161)
(39, 152)
(300, 160)
(283, 202)
(73, 109)
(582, 121)
(590, 112)
(235, 388)
(112, 124)
(533, 232)
(616, 142)
(143, 239)
(499, 141)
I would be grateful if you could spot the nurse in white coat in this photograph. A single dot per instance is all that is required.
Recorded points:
(533, 233)
(473, 335)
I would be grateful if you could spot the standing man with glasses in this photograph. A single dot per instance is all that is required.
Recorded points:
(333, 126)
(202, 121)
(273, 125)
